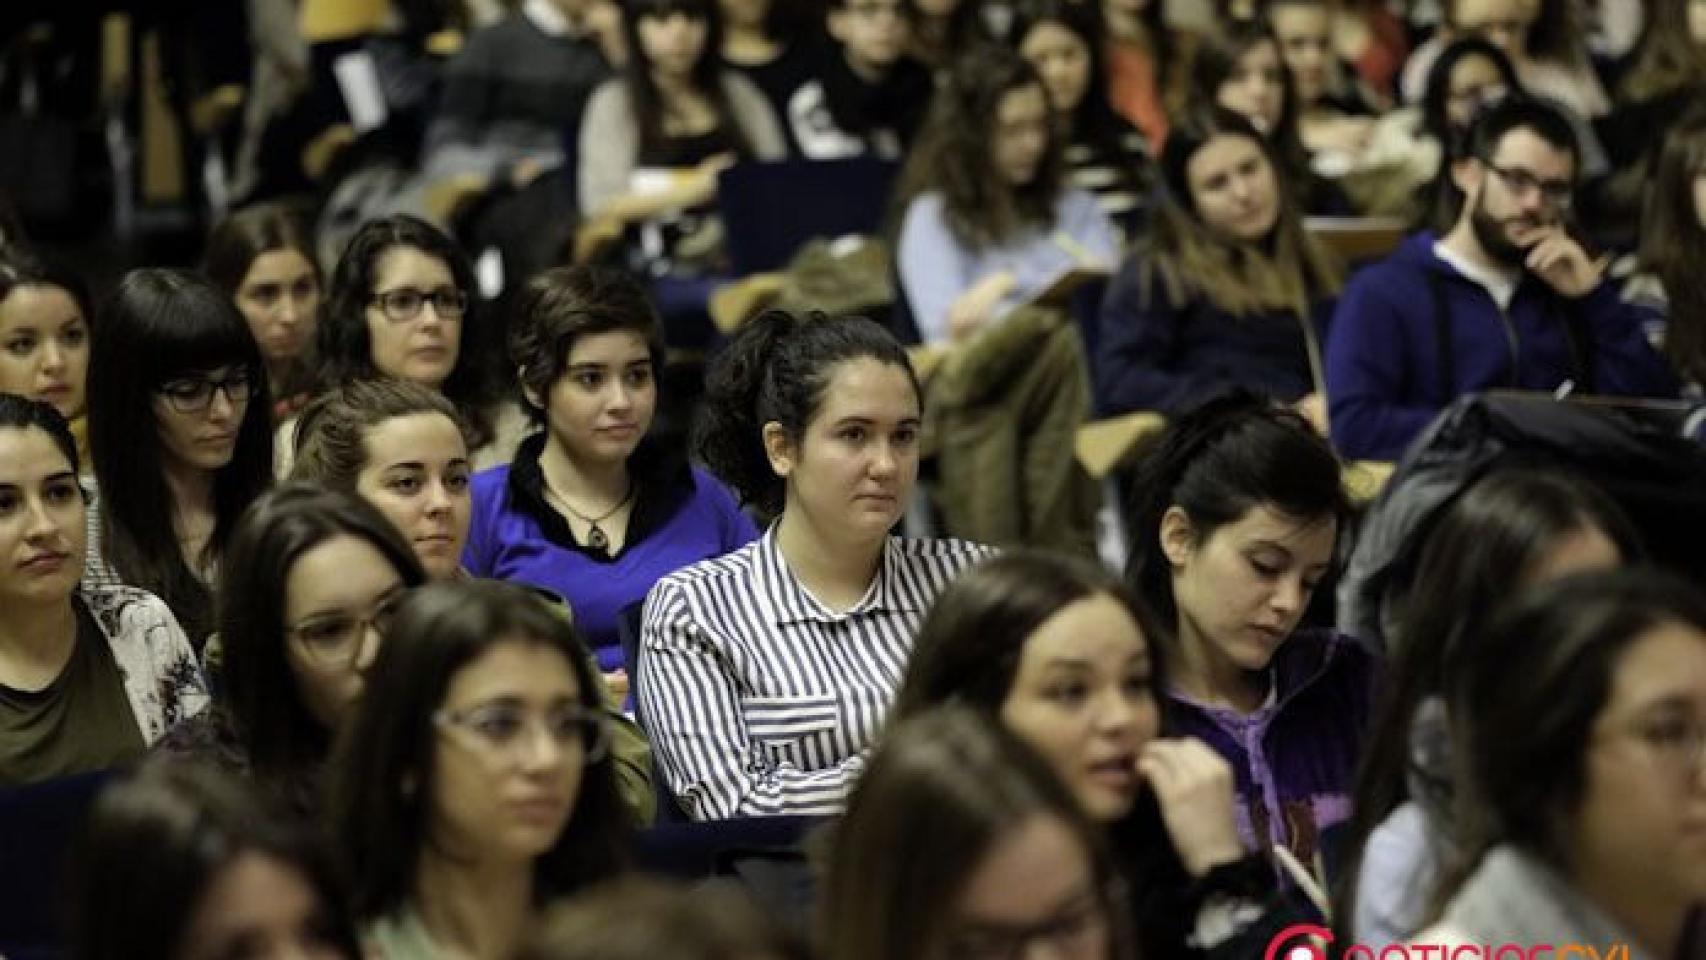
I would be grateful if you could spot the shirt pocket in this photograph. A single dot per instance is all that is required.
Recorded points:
(798, 730)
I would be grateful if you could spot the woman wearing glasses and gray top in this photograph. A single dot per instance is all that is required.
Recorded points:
(475, 784)
(312, 580)
(402, 304)
(178, 431)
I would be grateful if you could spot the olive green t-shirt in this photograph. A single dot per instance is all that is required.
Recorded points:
(81, 721)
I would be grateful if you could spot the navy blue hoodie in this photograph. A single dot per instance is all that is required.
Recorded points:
(1385, 379)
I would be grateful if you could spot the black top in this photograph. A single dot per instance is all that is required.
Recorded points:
(663, 482)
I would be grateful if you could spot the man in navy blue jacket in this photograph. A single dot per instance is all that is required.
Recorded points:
(1507, 299)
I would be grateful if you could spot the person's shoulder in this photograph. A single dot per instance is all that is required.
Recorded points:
(950, 550)
(110, 601)
(736, 566)
(490, 482)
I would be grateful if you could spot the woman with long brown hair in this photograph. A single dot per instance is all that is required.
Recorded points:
(1229, 288)
(1673, 242)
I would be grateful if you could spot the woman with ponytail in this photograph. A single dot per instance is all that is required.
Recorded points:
(1235, 520)
(765, 674)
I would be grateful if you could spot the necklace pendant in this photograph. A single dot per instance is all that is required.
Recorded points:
(596, 539)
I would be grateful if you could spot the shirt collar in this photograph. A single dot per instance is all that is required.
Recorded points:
(795, 604)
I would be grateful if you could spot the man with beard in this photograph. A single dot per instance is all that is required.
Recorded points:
(1507, 299)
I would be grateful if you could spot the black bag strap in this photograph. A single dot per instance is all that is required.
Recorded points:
(1446, 370)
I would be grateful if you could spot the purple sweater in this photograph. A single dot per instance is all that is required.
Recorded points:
(1294, 759)
(683, 515)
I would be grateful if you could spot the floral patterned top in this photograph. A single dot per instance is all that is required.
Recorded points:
(161, 679)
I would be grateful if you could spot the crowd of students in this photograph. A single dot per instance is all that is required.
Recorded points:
(399, 612)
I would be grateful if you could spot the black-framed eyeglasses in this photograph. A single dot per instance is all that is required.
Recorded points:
(335, 639)
(1070, 929)
(1558, 194)
(405, 303)
(505, 731)
(195, 394)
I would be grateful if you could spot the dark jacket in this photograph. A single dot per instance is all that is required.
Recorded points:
(1294, 760)
(1387, 375)
(1154, 354)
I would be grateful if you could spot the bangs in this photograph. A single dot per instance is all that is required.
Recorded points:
(193, 341)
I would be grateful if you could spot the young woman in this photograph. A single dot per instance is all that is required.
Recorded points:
(179, 426)
(402, 304)
(1229, 289)
(1544, 41)
(475, 785)
(1056, 650)
(1244, 71)
(1612, 692)
(1470, 75)
(44, 335)
(263, 258)
(764, 41)
(89, 676)
(1104, 153)
(650, 919)
(184, 863)
(403, 449)
(961, 842)
(1235, 518)
(942, 29)
(988, 219)
(1671, 61)
(1513, 528)
(758, 698)
(312, 579)
(989, 225)
(1144, 58)
(653, 139)
(1673, 242)
(594, 508)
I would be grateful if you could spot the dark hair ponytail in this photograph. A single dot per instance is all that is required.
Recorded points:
(1235, 452)
(777, 369)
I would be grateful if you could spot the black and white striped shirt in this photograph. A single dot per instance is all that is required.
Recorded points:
(762, 701)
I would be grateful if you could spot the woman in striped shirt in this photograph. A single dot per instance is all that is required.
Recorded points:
(765, 674)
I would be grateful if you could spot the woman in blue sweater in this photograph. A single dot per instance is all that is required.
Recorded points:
(1229, 289)
(592, 508)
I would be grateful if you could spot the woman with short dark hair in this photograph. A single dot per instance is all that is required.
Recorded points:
(595, 507)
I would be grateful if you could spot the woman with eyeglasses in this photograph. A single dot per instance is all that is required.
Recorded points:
(90, 675)
(263, 258)
(179, 415)
(1582, 774)
(44, 336)
(404, 449)
(312, 579)
(402, 304)
(474, 785)
(962, 843)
